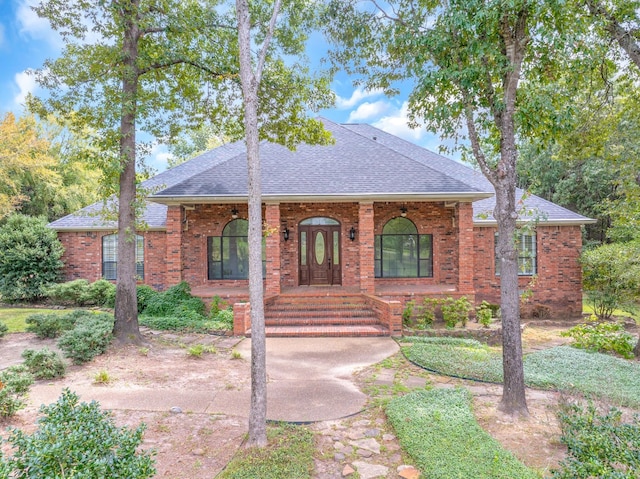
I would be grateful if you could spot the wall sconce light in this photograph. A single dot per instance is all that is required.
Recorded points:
(285, 233)
(352, 234)
(403, 211)
(234, 214)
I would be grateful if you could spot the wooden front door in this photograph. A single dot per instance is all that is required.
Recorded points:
(320, 255)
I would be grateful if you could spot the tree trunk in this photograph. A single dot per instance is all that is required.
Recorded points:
(126, 328)
(258, 411)
(636, 349)
(513, 395)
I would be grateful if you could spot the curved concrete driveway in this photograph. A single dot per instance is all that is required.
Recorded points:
(311, 379)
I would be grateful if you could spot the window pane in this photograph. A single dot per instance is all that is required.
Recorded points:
(319, 248)
(237, 227)
(399, 225)
(303, 248)
(377, 246)
(399, 256)
(109, 270)
(526, 248)
(109, 256)
(319, 221)
(426, 256)
(235, 257)
(214, 255)
(336, 247)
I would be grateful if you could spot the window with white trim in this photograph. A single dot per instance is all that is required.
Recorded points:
(110, 256)
(527, 254)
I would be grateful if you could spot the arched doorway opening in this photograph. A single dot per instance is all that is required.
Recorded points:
(320, 258)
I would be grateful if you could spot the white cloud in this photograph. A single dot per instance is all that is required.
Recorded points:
(369, 110)
(397, 124)
(356, 97)
(34, 26)
(26, 84)
(158, 158)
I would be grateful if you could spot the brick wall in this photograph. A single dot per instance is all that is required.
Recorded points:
(558, 288)
(83, 256)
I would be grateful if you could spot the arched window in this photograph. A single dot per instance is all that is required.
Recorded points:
(400, 252)
(229, 254)
(110, 256)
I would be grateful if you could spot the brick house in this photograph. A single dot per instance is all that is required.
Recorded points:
(359, 228)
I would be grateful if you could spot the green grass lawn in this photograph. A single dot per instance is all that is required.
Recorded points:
(438, 429)
(14, 317)
(289, 454)
(562, 368)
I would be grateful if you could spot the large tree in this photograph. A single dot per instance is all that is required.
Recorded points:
(275, 28)
(129, 65)
(465, 61)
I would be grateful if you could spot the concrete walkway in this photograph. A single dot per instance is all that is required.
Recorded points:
(309, 379)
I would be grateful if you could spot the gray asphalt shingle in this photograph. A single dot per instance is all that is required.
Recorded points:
(363, 162)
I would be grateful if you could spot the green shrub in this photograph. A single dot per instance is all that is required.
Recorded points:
(438, 430)
(100, 292)
(44, 363)
(427, 314)
(15, 382)
(144, 294)
(175, 300)
(455, 311)
(407, 313)
(602, 337)
(611, 277)
(484, 314)
(3, 329)
(90, 337)
(30, 255)
(70, 293)
(223, 321)
(599, 445)
(80, 292)
(79, 440)
(217, 305)
(48, 325)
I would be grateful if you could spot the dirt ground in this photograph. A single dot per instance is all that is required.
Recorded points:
(199, 445)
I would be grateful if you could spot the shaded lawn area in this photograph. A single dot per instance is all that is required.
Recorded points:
(438, 429)
(289, 454)
(561, 368)
(14, 318)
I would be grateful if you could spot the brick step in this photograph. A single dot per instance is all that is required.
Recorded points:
(316, 307)
(323, 331)
(305, 300)
(293, 321)
(301, 313)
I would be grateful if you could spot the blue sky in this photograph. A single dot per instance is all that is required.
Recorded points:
(26, 41)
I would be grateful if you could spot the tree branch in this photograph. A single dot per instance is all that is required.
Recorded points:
(624, 37)
(267, 40)
(178, 61)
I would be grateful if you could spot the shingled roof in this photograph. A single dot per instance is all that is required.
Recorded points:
(363, 163)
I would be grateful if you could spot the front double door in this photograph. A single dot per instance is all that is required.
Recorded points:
(320, 262)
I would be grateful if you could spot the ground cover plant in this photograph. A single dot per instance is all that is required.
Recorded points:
(177, 310)
(562, 368)
(15, 318)
(603, 337)
(15, 381)
(44, 363)
(90, 336)
(599, 444)
(438, 430)
(289, 453)
(76, 439)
